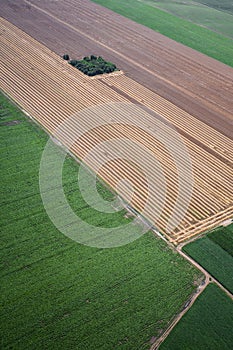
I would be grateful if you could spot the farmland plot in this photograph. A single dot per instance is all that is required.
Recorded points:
(194, 82)
(52, 91)
(214, 253)
(207, 325)
(56, 293)
(200, 13)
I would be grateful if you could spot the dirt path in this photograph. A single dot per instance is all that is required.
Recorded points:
(207, 274)
(208, 279)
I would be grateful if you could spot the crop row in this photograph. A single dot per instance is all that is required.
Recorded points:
(50, 90)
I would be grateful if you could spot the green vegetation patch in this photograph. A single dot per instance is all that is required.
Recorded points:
(223, 236)
(206, 326)
(198, 13)
(201, 39)
(217, 261)
(92, 65)
(58, 294)
(223, 5)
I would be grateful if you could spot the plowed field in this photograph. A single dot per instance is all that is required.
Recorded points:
(198, 84)
(50, 90)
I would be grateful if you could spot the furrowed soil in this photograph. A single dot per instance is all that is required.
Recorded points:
(198, 84)
(51, 91)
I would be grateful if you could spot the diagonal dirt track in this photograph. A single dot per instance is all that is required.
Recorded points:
(51, 90)
(194, 82)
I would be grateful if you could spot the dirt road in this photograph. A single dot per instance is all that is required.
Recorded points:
(201, 288)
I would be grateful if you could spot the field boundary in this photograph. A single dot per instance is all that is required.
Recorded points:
(55, 81)
(208, 279)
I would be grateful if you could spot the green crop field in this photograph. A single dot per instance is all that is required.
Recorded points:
(223, 236)
(223, 5)
(214, 253)
(58, 294)
(206, 326)
(198, 13)
(201, 39)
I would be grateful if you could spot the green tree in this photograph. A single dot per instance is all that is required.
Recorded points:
(66, 57)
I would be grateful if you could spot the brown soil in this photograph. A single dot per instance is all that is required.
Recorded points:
(196, 83)
(50, 90)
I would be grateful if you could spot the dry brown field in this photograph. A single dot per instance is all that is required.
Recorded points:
(192, 81)
(50, 90)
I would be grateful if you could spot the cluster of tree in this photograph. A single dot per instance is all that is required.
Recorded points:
(92, 65)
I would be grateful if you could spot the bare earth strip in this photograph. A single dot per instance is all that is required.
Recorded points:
(196, 83)
(50, 90)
